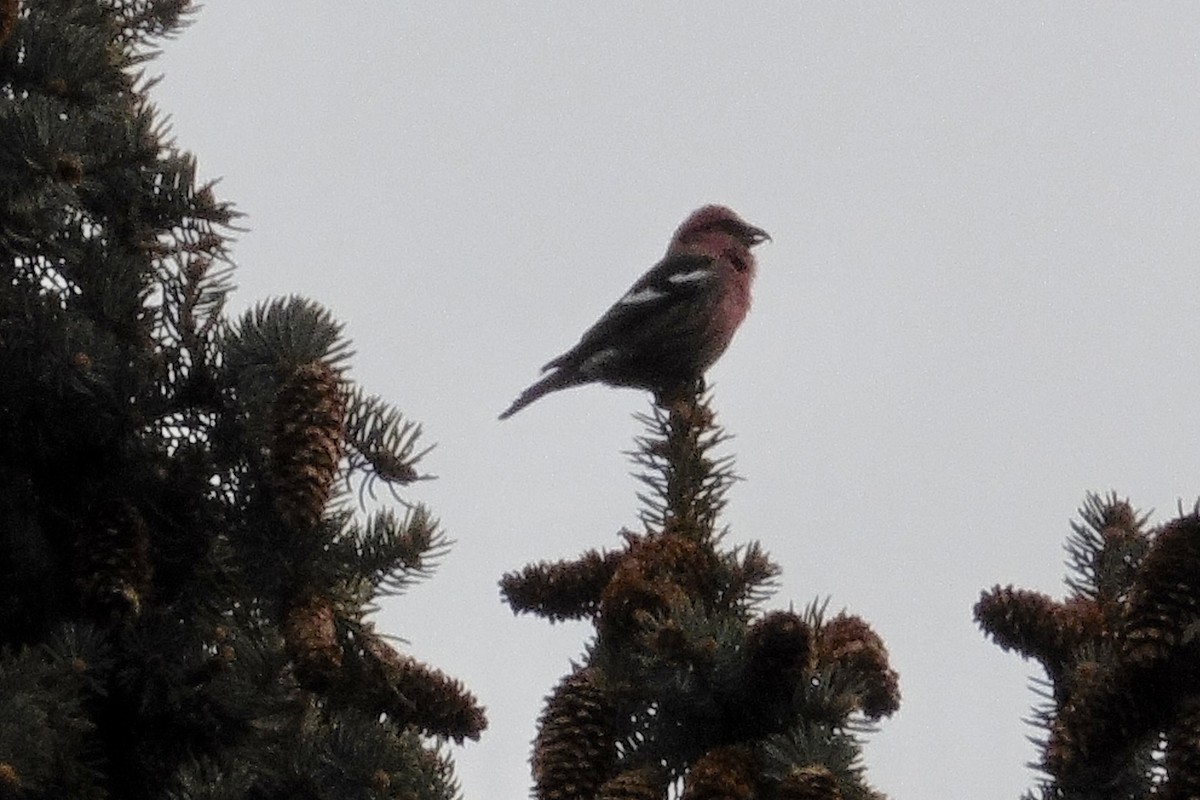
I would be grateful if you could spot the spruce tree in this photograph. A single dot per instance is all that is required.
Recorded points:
(185, 576)
(1119, 713)
(689, 685)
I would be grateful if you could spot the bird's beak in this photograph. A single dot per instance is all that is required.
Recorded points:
(757, 236)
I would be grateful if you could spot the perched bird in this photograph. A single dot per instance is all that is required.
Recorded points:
(674, 322)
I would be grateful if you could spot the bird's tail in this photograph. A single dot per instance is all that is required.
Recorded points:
(558, 379)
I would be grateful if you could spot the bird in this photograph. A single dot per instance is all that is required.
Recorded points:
(674, 322)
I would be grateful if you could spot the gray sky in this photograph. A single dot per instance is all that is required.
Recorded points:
(980, 302)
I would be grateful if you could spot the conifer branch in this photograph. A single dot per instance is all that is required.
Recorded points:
(687, 484)
(1120, 654)
(382, 444)
(392, 552)
(684, 686)
(184, 597)
(277, 337)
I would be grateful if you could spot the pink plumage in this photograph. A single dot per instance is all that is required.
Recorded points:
(674, 322)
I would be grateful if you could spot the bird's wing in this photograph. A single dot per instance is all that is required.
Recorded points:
(675, 287)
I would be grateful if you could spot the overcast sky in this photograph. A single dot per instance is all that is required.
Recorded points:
(980, 302)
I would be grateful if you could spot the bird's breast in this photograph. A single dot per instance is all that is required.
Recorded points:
(730, 309)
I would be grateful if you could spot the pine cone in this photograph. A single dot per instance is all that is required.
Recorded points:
(657, 574)
(814, 782)
(847, 642)
(562, 589)
(9, 11)
(1024, 621)
(418, 694)
(1165, 598)
(10, 780)
(309, 414)
(646, 783)
(724, 773)
(574, 753)
(778, 650)
(310, 631)
(778, 647)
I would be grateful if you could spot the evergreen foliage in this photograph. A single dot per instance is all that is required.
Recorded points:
(688, 683)
(1121, 657)
(184, 580)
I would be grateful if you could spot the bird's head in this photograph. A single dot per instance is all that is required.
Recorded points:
(718, 231)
